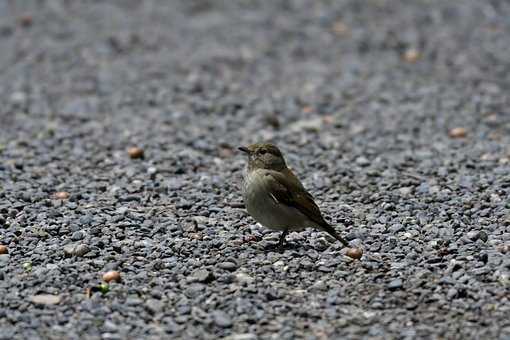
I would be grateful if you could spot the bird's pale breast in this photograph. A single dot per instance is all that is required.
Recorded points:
(263, 207)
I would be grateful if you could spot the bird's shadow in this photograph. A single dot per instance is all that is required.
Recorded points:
(277, 248)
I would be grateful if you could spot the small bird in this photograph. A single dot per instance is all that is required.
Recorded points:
(275, 197)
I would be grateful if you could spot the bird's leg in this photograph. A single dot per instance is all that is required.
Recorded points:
(281, 242)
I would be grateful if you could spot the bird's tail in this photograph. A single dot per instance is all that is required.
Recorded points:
(330, 230)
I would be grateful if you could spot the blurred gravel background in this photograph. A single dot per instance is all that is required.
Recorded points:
(395, 114)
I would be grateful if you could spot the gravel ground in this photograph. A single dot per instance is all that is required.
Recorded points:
(362, 96)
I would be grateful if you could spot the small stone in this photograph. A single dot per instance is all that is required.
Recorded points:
(320, 245)
(424, 188)
(503, 278)
(452, 293)
(503, 248)
(504, 160)
(77, 236)
(61, 195)
(242, 336)
(488, 157)
(483, 257)
(110, 326)
(307, 125)
(272, 120)
(135, 152)
(319, 285)
(225, 152)
(221, 319)
(362, 161)
(411, 55)
(76, 249)
(405, 191)
(279, 264)
(395, 284)
(18, 98)
(202, 275)
(458, 132)
(3, 249)
(69, 249)
(81, 249)
(27, 266)
(122, 210)
(495, 198)
(329, 119)
(340, 28)
(4, 259)
(396, 228)
(354, 253)
(196, 236)
(45, 299)
(483, 236)
(152, 171)
(473, 235)
(228, 265)
(307, 109)
(154, 306)
(111, 276)
(244, 278)
(25, 20)
(52, 266)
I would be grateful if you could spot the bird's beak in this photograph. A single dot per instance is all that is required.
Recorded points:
(244, 149)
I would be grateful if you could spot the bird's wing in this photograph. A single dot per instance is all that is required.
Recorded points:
(285, 188)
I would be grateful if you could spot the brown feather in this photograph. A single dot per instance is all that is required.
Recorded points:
(286, 188)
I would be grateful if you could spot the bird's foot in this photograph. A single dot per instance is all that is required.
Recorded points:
(281, 241)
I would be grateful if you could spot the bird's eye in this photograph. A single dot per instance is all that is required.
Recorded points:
(263, 152)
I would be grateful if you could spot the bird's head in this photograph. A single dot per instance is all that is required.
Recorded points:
(264, 156)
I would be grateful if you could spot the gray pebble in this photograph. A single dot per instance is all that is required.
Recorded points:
(395, 284)
(241, 336)
(202, 276)
(76, 249)
(221, 319)
(4, 259)
(77, 236)
(227, 265)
